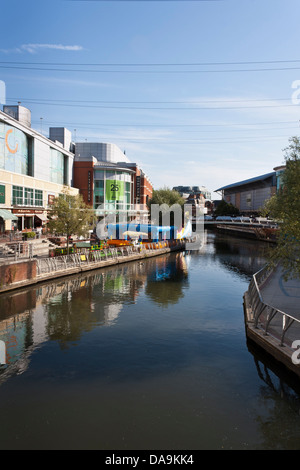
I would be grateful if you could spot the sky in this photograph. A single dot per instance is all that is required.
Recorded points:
(198, 93)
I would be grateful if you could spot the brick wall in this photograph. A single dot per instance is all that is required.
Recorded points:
(84, 180)
(16, 272)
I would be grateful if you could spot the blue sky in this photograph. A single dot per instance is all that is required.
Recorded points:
(196, 92)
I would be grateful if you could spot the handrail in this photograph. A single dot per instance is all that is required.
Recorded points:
(258, 305)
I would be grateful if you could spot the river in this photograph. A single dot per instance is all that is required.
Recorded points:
(147, 355)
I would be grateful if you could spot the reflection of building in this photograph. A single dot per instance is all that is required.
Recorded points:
(33, 169)
(249, 196)
(109, 182)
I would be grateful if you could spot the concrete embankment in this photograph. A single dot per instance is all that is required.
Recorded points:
(18, 274)
(252, 232)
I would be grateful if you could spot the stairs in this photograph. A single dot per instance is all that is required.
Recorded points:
(40, 247)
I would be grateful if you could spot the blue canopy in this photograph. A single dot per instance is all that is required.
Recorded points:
(155, 232)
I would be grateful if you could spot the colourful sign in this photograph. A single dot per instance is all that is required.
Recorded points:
(114, 190)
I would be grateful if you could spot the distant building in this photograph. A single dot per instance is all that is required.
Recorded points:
(250, 195)
(186, 191)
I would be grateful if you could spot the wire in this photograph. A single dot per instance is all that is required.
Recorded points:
(150, 71)
(194, 108)
(170, 125)
(167, 64)
(46, 100)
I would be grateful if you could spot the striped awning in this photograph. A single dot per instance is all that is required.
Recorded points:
(7, 215)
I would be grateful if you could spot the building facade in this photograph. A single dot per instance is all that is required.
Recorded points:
(249, 196)
(33, 169)
(110, 183)
(187, 191)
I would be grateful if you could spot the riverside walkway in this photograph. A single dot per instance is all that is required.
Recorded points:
(284, 295)
(272, 315)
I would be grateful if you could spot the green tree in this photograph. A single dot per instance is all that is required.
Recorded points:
(284, 207)
(168, 200)
(224, 208)
(69, 215)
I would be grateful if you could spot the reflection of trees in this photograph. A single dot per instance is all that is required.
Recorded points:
(92, 300)
(69, 315)
(241, 255)
(167, 280)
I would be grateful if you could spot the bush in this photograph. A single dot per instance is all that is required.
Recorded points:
(29, 235)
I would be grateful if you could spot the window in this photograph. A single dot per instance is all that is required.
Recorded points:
(29, 201)
(17, 196)
(27, 196)
(38, 195)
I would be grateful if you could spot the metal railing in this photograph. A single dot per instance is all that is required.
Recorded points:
(264, 314)
(84, 258)
(15, 250)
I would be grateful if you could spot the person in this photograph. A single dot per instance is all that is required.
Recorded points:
(39, 232)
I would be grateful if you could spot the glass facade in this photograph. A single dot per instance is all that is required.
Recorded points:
(27, 196)
(56, 166)
(112, 190)
(13, 150)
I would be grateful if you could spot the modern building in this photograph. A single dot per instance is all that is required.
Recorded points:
(186, 191)
(33, 169)
(250, 195)
(110, 183)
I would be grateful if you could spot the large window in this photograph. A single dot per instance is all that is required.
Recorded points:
(98, 193)
(112, 188)
(27, 197)
(56, 167)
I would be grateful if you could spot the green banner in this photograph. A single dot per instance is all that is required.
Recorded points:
(114, 190)
(2, 194)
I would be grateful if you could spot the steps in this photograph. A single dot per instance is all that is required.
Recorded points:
(40, 247)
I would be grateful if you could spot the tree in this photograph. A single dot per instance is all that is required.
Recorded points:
(224, 208)
(69, 215)
(168, 200)
(284, 207)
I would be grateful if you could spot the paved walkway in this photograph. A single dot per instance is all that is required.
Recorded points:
(281, 294)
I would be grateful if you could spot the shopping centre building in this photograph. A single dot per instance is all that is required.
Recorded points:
(35, 169)
(110, 183)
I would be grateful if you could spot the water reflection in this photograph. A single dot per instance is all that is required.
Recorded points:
(167, 281)
(147, 353)
(62, 311)
(246, 257)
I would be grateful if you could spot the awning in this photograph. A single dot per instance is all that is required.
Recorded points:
(7, 215)
(42, 217)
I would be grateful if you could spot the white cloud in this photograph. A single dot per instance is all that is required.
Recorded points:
(33, 48)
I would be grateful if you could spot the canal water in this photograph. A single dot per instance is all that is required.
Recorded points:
(149, 355)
